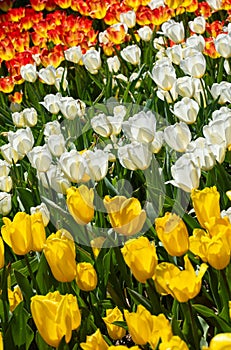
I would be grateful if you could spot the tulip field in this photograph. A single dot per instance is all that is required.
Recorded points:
(115, 175)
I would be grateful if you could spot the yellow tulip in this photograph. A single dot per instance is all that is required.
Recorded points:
(221, 341)
(173, 233)
(59, 251)
(1, 342)
(113, 315)
(55, 316)
(123, 347)
(206, 204)
(17, 233)
(96, 245)
(15, 297)
(86, 276)
(25, 233)
(218, 252)
(80, 204)
(140, 325)
(198, 243)
(169, 279)
(125, 214)
(140, 256)
(2, 250)
(161, 330)
(95, 342)
(174, 343)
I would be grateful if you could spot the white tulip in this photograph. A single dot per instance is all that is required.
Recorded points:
(113, 64)
(71, 108)
(9, 153)
(48, 75)
(135, 156)
(18, 119)
(177, 136)
(131, 54)
(6, 183)
(30, 116)
(54, 179)
(215, 4)
(74, 166)
(169, 96)
(223, 91)
(158, 141)
(223, 45)
(73, 54)
(145, 33)
(186, 173)
(29, 73)
(218, 150)
(164, 75)
(196, 41)
(174, 31)
(97, 164)
(92, 61)
(51, 103)
(194, 65)
(42, 208)
(101, 125)
(128, 18)
(186, 110)
(227, 213)
(21, 141)
(218, 130)
(185, 86)
(174, 53)
(40, 158)
(141, 127)
(5, 203)
(4, 168)
(201, 150)
(52, 128)
(222, 113)
(56, 144)
(197, 25)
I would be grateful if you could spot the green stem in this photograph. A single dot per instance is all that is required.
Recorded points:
(194, 326)
(35, 285)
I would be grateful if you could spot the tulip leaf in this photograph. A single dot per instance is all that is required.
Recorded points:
(121, 324)
(41, 343)
(24, 285)
(19, 335)
(44, 276)
(209, 315)
(139, 299)
(26, 197)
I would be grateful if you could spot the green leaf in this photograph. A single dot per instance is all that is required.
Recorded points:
(44, 277)
(121, 324)
(41, 343)
(26, 198)
(212, 318)
(139, 299)
(25, 286)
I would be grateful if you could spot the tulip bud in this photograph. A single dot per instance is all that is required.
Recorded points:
(53, 323)
(29, 73)
(135, 156)
(131, 54)
(59, 250)
(51, 103)
(15, 297)
(40, 158)
(140, 255)
(125, 214)
(177, 136)
(5, 203)
(173, 233)
(145, 33)
(92, 61)
(73, 54)
(86, 277)
(140, 325)
(186, 110)
(80, 204)
(113, 315)
(2, 251)
(95, 342)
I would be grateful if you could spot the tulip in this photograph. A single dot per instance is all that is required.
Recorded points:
(52, 128)
(145, 33)
(97, 164)
(186, 110)
(135, 156)
(86, 276)
(185, 86)
(29, 73)
(42, 208)
(141, 127)
(2, 256)
(71, 108)
(80, 204)
(168, 96)
(198, 243)
(113, 315)
(73, 54)
(206, 204)
(125, 214)
(169, 279)
(56, 145)
(21, 141)
(163, 74)
(47, 75)
(95, 342)
(5, 203)
(174, 53)
(18, 120)
(55, 316)
(203, 152)
(123, 347)
(198, 25)
(74, 166)
(1, 342)
(220, 341)
(140, 256)
(128, 18)
(221, 90)
(6, 183)
(224, 127)
(140, 325)
(186, 173)
(51, 103)
(158, 141)
(92, 61)
(101, 125)
(161, 330)
(174, 343)
(54, 178)
(222, 44)
(197, 42)
(24, 233)
(59, 250)
(177, 136)
(131, 54)
(15, 297)
(30, 116)
(173, 30)
(194, 65)
(173, 233)
(218, 252)
(113, 64)
(40, 158)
